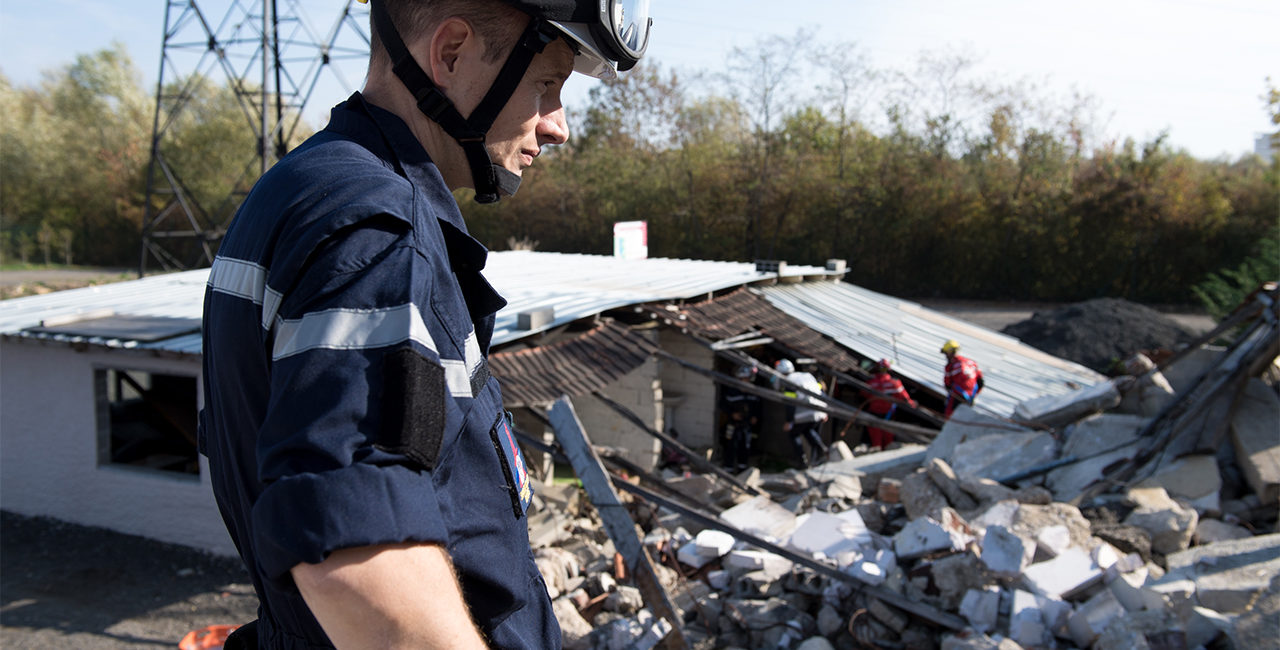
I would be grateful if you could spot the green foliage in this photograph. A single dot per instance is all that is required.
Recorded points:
(1223, 291)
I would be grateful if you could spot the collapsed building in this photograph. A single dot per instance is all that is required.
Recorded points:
(100, 387)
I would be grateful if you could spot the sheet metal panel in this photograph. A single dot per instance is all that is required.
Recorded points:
(878, 326)
(576, 286)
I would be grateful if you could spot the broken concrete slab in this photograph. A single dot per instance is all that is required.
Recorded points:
(925, 535)
(573, 628)
(821, 534)
(1063, 576)
(1092, 618)
(1004, 553)
(954, 575)
(1194, 479)
(945, 478)
(921, 497)
(775, 566)
(1209, 531)
(981, 607)
(1003, 454)
(1090, 439)
(891, 462)
(713, 543)
(985, 490)
(1052, 541)
(1058, 410)
(1169, 523)
(966, 424)
(1227, 575)
(1183, 373)
(843, 487)
(1253, 432)
(1145, 391)
(762, 517)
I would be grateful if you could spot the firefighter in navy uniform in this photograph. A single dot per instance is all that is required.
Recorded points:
(358, 447)
(743, 412)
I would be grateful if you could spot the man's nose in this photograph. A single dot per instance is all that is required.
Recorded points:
(552, 128)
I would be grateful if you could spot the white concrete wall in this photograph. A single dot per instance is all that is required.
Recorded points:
(694, 411)
(641, 392)
(49, 451)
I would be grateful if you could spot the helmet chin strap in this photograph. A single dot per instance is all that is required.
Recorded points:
(492, 181)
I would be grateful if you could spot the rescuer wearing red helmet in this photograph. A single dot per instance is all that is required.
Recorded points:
(358, 447)
(885, 384)
(961, 377)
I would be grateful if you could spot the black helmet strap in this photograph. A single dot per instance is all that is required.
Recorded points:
(491, 181)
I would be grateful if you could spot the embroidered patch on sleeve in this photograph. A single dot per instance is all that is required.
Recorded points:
(504, 442)
(413, 394)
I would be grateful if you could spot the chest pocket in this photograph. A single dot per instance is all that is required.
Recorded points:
(513, 467)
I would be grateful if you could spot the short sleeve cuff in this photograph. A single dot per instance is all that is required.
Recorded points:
(304, 517)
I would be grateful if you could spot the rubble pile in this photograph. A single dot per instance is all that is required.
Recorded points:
(1140, 513)
(1096, 333)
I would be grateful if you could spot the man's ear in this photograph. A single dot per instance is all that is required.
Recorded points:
(452, 40)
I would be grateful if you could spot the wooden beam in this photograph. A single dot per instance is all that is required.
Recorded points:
(617, 523)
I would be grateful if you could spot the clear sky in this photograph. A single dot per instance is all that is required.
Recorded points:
(1194, 67)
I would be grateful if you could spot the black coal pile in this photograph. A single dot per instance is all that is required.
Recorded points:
(1097, 333)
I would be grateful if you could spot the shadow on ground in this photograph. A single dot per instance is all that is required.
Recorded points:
(65, 586)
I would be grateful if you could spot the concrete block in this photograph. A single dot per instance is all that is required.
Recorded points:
(713, 543)
(1194, 479)
(1067, 574)
(945, 478)
(1058, 410)
(1204, 625)
(1105, 556)
(891, 461)
(762, 517)
(830, 622)
(843, 487)
(756, 584)
(1227, 575)
(1092, 617)
(1053, 540)
(719, 580)
(753, 560)
(688, 554)
(1209, 531)
(1026, 621)
(981, 607)
(873, 569)
(1257, 447)
(1147, 391)
(624, 600)
(1004, 553)
(1129, 592)
(921, 497)
(1186, 370)
(829, 535)
(1169, 523)
(839, 451)
(999, 513)
(999, 455)
(985, 490)
(573, 628)
(924, 536)
(891, 618)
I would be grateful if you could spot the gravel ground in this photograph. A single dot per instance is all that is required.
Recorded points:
(66, 587)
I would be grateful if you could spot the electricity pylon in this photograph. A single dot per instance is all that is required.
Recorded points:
(272, 60)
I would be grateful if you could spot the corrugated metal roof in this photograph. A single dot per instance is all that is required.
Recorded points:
(576, 286)
(578, 366)
(174, 295)
(879, 326)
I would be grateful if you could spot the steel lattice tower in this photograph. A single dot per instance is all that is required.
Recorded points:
(267, 54)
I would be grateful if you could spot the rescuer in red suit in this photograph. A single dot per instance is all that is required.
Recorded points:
(962, 377)
(884, 383)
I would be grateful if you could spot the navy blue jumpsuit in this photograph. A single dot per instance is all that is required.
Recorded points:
(347, 400)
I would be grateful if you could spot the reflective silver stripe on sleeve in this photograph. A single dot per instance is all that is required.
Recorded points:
(457, 377)
(365, 329)
(472, 350)
(238, 278)
(270, 306)
(351, 329)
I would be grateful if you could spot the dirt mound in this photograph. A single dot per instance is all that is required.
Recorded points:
(1097, 333)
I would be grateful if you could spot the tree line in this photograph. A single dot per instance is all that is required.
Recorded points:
(928, 181)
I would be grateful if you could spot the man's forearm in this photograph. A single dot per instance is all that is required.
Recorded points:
(390, 596)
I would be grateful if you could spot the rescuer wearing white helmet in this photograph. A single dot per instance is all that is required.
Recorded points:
(803, 423)
(357, 444)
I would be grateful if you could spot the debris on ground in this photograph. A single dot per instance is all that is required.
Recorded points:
(1098, 333)
(1137, 514)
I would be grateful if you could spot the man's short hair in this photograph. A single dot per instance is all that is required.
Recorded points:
(497, 23)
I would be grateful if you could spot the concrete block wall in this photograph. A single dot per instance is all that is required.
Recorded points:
(691, 396)
(50, 461)
(641, 392)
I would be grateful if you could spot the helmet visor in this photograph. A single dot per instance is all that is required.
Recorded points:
(630, 23)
